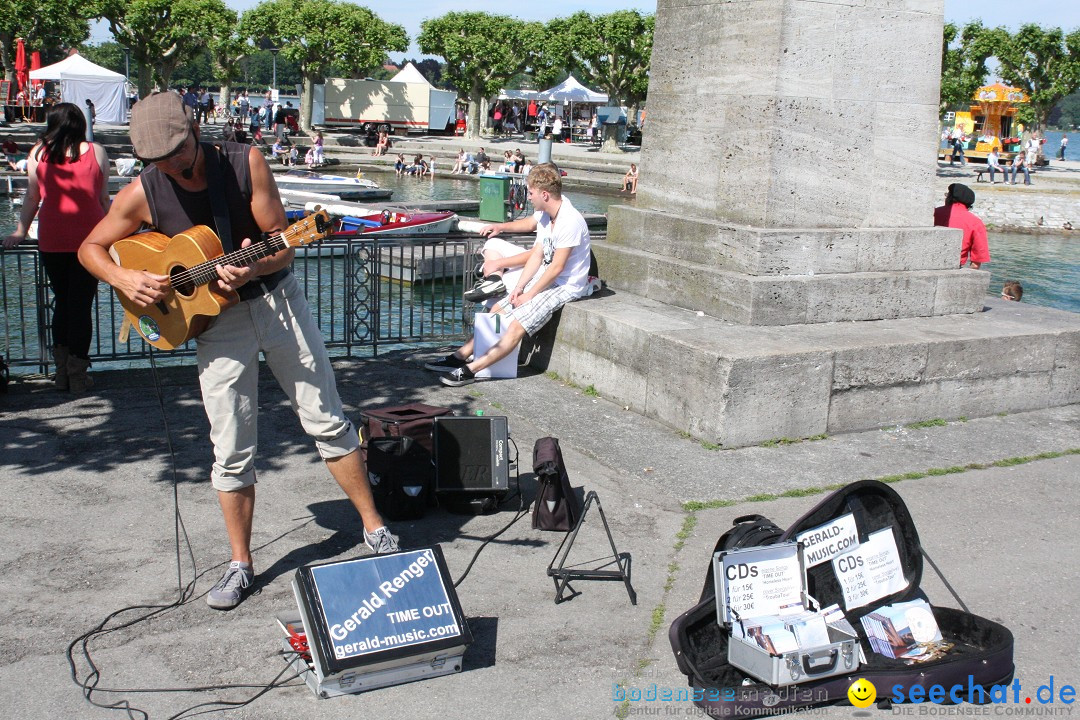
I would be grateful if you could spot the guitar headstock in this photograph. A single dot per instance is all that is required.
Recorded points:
(312, 228)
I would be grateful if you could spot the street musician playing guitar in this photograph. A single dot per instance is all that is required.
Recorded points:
(270, 314)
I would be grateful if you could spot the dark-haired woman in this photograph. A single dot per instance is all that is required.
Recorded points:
(68, 178)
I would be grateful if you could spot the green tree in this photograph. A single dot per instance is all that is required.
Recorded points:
(1044, 63)
(964, 53)
(228, 49)
(482, 52)
(610, 53)
(163, 34)
(322, 34)
(44, 25)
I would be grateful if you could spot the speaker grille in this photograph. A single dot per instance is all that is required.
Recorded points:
(471, 455)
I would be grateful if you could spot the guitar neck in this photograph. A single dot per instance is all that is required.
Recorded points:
(204, 273)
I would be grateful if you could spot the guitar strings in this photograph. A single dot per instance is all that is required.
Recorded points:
(205, 272)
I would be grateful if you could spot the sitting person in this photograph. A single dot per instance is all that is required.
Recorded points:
(629, 181)
(508, 162)
(281, 150)
(1020, 163)
(483, 161)
(956, 213)
(471, 165)
(459, 165)
(554, 272)
(519, 160)
(1012, 291)
(418, 167)
(294, 155)
(381, 145)
(399, 165)
(993, 164)
(9, 147)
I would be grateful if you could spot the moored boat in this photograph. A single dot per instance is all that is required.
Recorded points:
(398, 222)
(347, 188)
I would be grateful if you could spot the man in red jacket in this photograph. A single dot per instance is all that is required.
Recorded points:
(956, 213)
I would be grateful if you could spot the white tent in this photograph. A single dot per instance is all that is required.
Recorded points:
(81, 79)
(410, 74)
(573, 91)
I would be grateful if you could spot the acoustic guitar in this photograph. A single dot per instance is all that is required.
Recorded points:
(190, 260)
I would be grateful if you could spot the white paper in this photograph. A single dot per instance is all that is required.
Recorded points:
(830, 540)
(488, 329)
(764, 581)
(871, 571)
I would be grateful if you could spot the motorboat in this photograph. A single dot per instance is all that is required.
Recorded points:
(398, 221)
(347, 188)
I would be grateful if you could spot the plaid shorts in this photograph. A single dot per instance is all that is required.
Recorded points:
(534, 314)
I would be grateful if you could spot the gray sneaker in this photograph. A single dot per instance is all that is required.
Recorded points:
(381, 541)
(229, 590)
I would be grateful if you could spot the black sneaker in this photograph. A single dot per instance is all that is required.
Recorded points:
(490, 287)
(448, 363)
(459, 377)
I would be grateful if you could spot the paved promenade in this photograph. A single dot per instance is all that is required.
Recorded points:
(88, 528)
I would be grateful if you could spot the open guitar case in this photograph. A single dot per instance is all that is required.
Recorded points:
(983, 649)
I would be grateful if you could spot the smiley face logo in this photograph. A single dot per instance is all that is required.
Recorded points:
(862, 693)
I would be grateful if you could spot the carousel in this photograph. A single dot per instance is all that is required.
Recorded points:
(989, 123)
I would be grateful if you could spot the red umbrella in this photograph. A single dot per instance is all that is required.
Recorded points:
(22, 73)
(35, 62)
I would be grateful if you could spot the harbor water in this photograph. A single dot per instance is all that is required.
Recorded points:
(1047, 265)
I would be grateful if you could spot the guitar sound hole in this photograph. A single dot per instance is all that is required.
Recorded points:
(182, 287)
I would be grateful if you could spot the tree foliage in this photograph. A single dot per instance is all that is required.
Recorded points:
(482, 52)
(163, 34)
(319, 35)
(610, 53)
(1044, 63)
(964, 53)
(47, 26)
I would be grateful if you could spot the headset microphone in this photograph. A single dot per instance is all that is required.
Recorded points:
(189, 172)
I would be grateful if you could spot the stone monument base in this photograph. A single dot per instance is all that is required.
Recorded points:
(737, 385)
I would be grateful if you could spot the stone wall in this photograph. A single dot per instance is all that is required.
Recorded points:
(1004, 210)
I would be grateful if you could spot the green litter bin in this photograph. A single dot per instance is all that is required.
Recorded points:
(494, 197)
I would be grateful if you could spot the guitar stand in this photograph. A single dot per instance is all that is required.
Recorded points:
(562, 576)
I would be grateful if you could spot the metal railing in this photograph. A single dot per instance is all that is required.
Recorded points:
(365, 295)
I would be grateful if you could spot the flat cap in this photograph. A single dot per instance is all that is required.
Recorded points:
(160, 123)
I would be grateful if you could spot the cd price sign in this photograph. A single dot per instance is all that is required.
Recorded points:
(758, 581)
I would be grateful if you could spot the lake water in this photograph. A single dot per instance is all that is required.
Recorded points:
(1048, 266)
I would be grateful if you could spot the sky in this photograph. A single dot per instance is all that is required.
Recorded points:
(1010, 13)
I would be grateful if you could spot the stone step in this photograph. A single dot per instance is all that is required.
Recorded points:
(735, 385)
(784, 300)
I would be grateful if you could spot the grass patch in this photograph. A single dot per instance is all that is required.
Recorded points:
(476, 394)
(685, 435)
(672, 568)
(623, 711)
(657, 621)
(591, 391)
(687, 529)
(962, 418)
(695, 505)
(936, 422)
(776, 442)
(497, 405)
(552, 375)
(710, 446)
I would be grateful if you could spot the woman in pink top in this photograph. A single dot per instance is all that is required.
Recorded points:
(68, 179)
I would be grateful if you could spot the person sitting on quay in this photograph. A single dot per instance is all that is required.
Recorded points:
(280, 151)
(956, 213)
(399, 164)
(1020, 162)
(993, 164)
(629, 181)
(1012, 290)
(382, 144)
(554, 272)
(483, 161)
(459, 164)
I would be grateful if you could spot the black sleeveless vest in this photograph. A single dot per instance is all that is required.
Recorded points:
(174, 209)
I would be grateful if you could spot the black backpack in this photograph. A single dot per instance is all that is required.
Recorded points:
(557, 507)
(748, 531)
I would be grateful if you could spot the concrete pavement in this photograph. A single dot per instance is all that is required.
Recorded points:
(88, 528)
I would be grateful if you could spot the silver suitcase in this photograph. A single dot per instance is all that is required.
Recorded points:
(740, 584)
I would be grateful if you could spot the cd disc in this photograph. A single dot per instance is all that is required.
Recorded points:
(922, 624)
